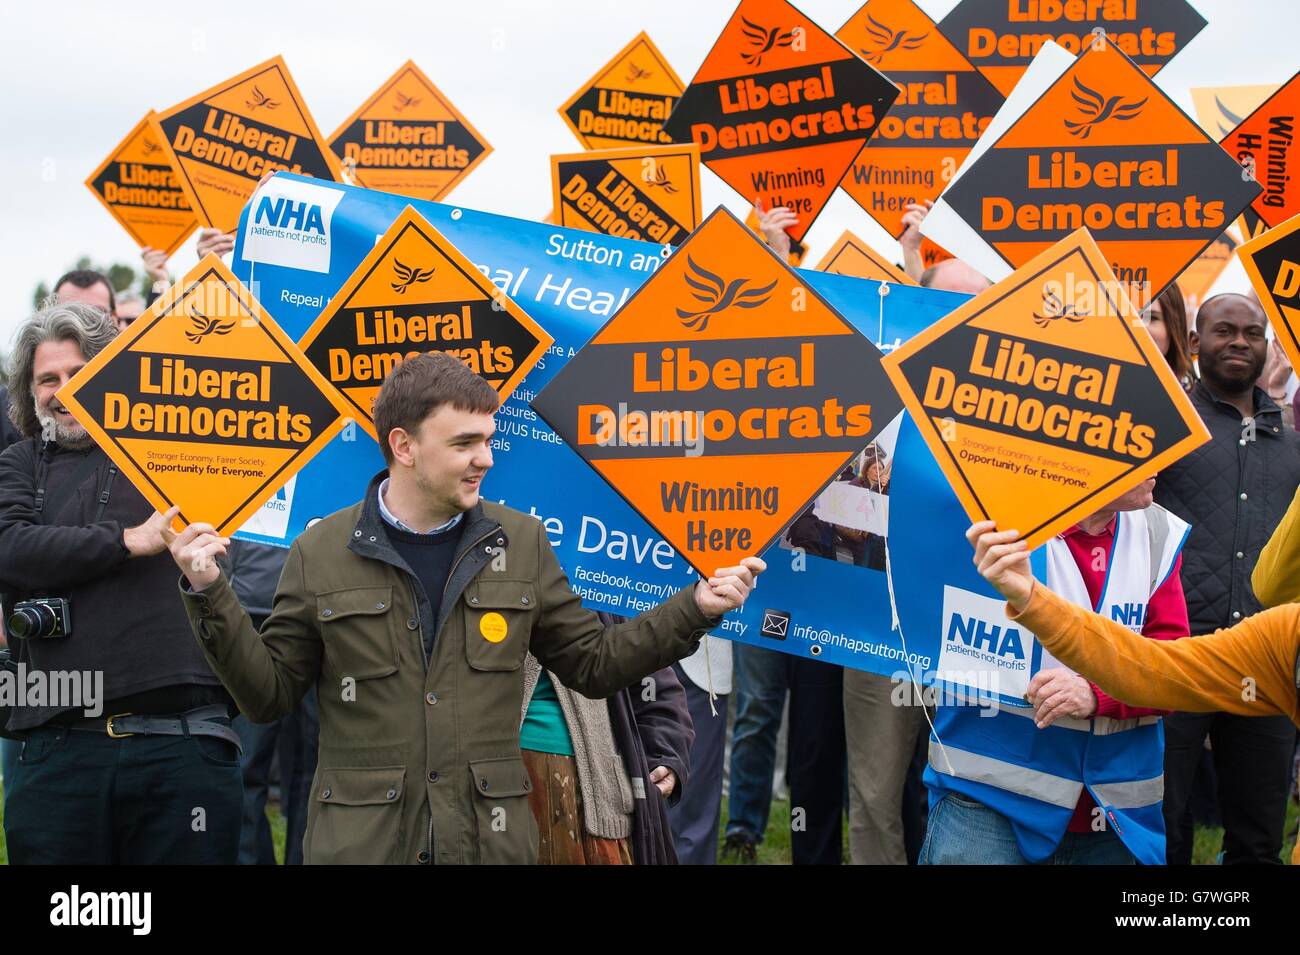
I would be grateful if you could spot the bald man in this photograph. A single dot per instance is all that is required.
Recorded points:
(1233, 491)
(954, 275)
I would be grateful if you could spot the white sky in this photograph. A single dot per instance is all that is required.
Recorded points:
(78, 75)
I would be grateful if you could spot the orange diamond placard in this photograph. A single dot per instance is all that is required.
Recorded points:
(1272, 260)
(780, 108)
(1266, 141)
(722, 397)
(1104, 149)
(224, 139)
(415, 292)
(1220, 110)
(408, 138)
(139, 187)
(650, 193)
(942, 110)
(204, 402)
(1044, 398)
(1198, 278)
(627, 101)
(852, 256)
(1001, 37)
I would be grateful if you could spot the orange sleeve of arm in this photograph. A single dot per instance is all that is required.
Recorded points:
(1248, 669)
(1276, 579)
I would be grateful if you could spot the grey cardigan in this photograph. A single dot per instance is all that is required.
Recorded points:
(602, 777)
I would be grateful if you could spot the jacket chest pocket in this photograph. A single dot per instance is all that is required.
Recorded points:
(356, 627)
(499, 618)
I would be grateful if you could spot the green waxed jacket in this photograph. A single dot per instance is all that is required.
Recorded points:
(419, 718)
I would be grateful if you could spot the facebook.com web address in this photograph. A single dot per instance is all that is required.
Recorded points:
(626, 582)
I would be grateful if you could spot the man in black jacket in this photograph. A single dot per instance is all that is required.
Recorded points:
(8, 433)
(149, 771)
(1233, 491)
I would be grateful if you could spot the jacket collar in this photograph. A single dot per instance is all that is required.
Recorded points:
(370, 540)
(1264, 405)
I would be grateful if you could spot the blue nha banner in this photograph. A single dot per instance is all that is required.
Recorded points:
(825, 593)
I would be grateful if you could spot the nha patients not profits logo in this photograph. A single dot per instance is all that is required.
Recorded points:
(288, 224)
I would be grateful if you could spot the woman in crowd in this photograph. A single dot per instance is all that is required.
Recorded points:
(604, 771)
(1166, 320)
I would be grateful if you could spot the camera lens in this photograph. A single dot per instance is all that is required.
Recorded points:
(32, 621)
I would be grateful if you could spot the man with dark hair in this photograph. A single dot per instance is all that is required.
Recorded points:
(1233, 491)
(412, 612)
(88, 286)
(147, 770)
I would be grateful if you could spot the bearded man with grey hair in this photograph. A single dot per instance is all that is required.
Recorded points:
(132, 760)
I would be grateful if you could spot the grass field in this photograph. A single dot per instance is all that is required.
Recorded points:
(775, 849)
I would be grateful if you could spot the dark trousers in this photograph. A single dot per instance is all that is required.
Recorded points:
(81, 798)
(696, 816)
(815, 767)
(1252, 759)
(295, 739)
(816, 762)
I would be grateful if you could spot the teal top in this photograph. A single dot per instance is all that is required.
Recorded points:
(544, 729)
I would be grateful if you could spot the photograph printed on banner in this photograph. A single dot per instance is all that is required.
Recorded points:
(849, 520)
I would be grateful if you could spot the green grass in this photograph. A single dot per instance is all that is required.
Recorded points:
(775, 847)
(1208, 842)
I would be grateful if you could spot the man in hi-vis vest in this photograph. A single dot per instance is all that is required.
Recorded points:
(1076, 777)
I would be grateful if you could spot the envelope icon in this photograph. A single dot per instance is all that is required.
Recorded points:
(775, 624)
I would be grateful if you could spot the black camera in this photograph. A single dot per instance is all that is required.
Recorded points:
(41, 617)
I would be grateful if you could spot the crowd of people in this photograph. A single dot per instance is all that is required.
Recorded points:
(429, 689)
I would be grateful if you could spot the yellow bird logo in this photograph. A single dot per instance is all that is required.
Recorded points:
(1096, 109)
(635, 74)
(717, 295)
(763, 40)
(408, 276)
(884, 40)
(204, 326)
(260, 99)
(1056, 310)
(150, 147)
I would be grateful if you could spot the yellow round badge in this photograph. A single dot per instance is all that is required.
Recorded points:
(493, 627)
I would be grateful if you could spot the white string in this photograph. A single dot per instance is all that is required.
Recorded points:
(893, 606)
(708, 675)
(883, 291)
(889, 581)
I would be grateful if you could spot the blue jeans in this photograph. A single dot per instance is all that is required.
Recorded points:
(762, 679)
(295, 738)
(964, 832)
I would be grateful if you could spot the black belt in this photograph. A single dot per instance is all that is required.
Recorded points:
(198, 722)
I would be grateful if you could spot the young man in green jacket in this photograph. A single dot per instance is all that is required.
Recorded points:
(412, 611)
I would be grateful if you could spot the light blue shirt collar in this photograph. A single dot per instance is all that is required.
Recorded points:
(388, 516)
